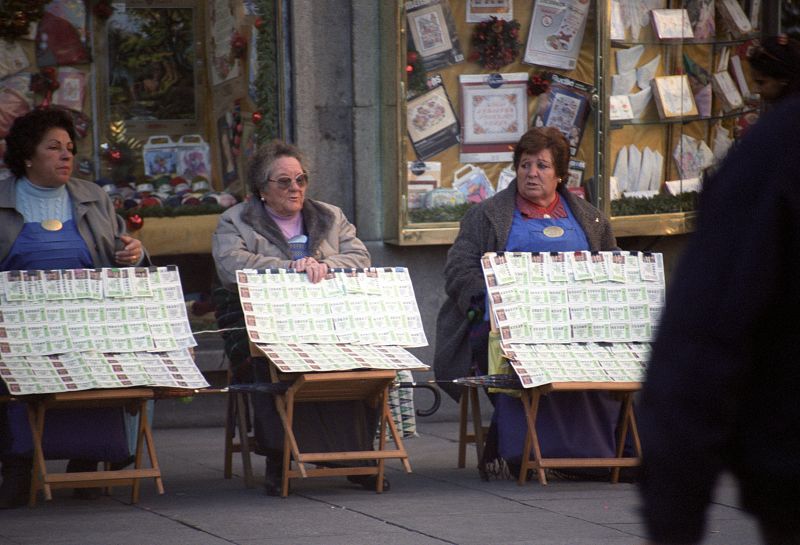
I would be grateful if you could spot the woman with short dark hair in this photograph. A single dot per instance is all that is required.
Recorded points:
(535, 213)
(49, 220)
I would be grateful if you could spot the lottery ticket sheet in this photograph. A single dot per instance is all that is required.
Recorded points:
(575, 316)
(352, 319)
(61, 329)
(353, 306)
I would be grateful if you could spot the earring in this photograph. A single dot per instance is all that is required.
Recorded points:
(28, 164)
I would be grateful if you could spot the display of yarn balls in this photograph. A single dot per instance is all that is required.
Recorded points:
(166, 191)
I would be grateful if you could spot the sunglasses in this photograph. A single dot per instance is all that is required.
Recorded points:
(285, 182)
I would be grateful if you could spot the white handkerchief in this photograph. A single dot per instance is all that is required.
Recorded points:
(622, 83)
(647, 72)
(627, 59)
(658, 171)
(634, 167)
(640, 100)
(646, 171)
(621, 169)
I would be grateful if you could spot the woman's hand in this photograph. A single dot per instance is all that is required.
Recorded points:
(131, 252)
(315, 270)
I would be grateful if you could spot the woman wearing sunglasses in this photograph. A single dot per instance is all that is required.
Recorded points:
(278, 227)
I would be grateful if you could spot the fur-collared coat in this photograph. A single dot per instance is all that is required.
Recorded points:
(247, 238)
(485, 228)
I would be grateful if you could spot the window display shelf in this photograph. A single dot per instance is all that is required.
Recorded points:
(676, 223)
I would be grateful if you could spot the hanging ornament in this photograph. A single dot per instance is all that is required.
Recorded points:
(44, 83)
(538, 83)
(415, 71)
(257, 117)
(134, 222)
(238, 45)
(259, 22)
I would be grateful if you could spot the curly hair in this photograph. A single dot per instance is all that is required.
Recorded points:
(540, 138)
(27, 132)
(258, 171)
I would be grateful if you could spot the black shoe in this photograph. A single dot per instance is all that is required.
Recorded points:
(122, 464)
(16, 487)
(272, 479)
(369, 482)
(84, 466)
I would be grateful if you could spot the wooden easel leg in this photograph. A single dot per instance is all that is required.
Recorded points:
(244, 441)
(477, 424)
(463, 405)
(39, 473)
(386, 417)
(530, 404)
(145, 439)
(230, 432)
(622, 432)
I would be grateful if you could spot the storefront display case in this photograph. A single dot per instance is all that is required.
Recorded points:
(438, 71)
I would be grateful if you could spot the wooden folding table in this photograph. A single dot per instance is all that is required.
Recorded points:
(626, 424)
(130, 397)
(371, 386)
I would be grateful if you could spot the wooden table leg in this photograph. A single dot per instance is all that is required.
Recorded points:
(463, 406)
(39, 474)
(530, 403)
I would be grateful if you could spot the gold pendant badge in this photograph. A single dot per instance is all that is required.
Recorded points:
(554, 231)
(52, 225)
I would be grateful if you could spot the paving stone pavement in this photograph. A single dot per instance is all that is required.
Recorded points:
(436, 504)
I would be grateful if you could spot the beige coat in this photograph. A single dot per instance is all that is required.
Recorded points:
(247, 238)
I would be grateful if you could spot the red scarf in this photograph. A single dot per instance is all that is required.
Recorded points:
(530, 210)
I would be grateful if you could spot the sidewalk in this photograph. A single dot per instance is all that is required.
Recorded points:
(436, 504)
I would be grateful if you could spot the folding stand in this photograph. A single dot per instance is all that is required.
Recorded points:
(41, 479)
(369, 386)
(627, 423)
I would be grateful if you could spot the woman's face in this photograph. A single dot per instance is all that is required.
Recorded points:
(770, 89)
(52, 161)
(286, 201)
(536, 177)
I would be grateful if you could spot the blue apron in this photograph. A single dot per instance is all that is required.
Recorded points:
(569, 424)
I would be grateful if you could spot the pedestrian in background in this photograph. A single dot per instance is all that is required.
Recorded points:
(722, 385)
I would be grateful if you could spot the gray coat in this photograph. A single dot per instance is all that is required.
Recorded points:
(247, 238)
(92, 211)
(485, 228)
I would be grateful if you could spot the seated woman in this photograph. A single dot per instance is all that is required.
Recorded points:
(49, 220)
(535, 213)
(278, 227)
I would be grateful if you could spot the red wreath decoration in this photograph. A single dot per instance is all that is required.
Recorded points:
(495, 43)
(538, 83)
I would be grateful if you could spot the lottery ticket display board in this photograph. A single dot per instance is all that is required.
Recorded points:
(78, 329)
(575, 316)
(352, 319)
